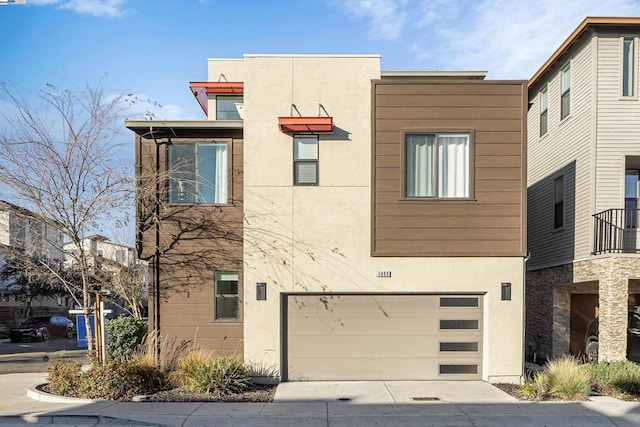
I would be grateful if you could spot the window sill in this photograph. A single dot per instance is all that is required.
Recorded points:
(558, 230)
(205, 205)
(437, 200)
(226, 321)
(628, 98)
(562, 121)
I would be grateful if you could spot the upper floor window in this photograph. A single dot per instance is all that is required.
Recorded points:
(543, 110)
(565, 91)
(628, 66)
(558, 202)
(437, 165)
(305, 160)
(198, 173)
(226, 107)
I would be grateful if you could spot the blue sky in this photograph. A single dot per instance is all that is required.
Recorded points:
(154, 48)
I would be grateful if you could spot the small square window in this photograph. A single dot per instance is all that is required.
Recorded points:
(305, 160)
(227, 302)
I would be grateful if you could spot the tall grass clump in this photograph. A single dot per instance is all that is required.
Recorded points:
(562, 378)
(204, 372)
(617, 378)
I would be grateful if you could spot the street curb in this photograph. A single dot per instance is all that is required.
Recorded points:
(41, 396)
(75, 420)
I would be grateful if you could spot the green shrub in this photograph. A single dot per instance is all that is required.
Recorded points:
(64, 377)
(112, 381)
(567, 380)
(537, 387)
(206, 373)
(562, 378)
(621, 378)
(125, 334)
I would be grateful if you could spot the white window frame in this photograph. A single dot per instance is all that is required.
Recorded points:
(544, 110)
(626, 68)
(300, 160)
(565, 92)
(436, 169)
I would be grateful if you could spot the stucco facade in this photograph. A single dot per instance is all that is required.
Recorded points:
(305, 246)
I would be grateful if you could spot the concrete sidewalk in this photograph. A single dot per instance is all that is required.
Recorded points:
(391, 403)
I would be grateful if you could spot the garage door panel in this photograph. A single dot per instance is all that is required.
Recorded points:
(340, 337)
(364, 346)
(351, 369)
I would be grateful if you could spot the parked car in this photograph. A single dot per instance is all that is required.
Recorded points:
(42, 328)
(633, 337)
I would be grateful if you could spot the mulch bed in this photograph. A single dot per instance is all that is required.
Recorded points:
(255, 393)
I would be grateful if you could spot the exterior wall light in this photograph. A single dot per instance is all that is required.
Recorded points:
(261, 291)
(506, 291)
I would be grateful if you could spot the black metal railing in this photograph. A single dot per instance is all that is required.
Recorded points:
(616, 231)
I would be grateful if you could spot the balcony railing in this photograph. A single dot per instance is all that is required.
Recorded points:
(616, 231)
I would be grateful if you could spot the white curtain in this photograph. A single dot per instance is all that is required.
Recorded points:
(212, 173)
(420, 153)
(453, 162)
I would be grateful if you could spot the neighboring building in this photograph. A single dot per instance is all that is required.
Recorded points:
(583, 175)
(26, 233)
(355, 225)
(99, 249)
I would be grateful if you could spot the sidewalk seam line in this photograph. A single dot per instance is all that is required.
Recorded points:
(190, 414)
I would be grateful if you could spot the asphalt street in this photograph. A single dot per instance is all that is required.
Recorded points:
(32, 357)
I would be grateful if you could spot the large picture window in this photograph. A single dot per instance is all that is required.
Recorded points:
(198, 173)
(227, 304)
(437, 165)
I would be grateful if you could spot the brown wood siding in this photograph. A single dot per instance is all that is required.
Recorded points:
(492, 221)
(197, 241)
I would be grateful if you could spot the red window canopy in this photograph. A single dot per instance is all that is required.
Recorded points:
(306, 124)
(201, 89)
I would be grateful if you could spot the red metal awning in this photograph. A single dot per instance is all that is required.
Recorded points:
(201, 89)
(306, 124)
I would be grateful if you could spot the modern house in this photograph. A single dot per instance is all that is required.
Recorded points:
(25, 233)
(332, 221)
(584, 169)
(99, 249)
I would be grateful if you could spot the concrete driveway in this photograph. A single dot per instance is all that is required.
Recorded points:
(383, 392)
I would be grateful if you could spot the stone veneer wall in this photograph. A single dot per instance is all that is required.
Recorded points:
(548, 304)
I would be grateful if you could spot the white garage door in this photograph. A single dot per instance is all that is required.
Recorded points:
(382, 337)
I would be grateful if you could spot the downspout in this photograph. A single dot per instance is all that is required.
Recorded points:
(156, 255)
(524, 314)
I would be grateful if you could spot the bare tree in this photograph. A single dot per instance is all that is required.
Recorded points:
(58, 159)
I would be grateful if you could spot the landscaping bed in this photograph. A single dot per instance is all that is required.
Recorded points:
(568, 378)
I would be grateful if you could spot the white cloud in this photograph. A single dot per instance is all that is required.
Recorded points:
(509, 38)
(100, 8)
(387, 18)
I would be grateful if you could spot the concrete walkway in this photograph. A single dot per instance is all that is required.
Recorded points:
(391, 403)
